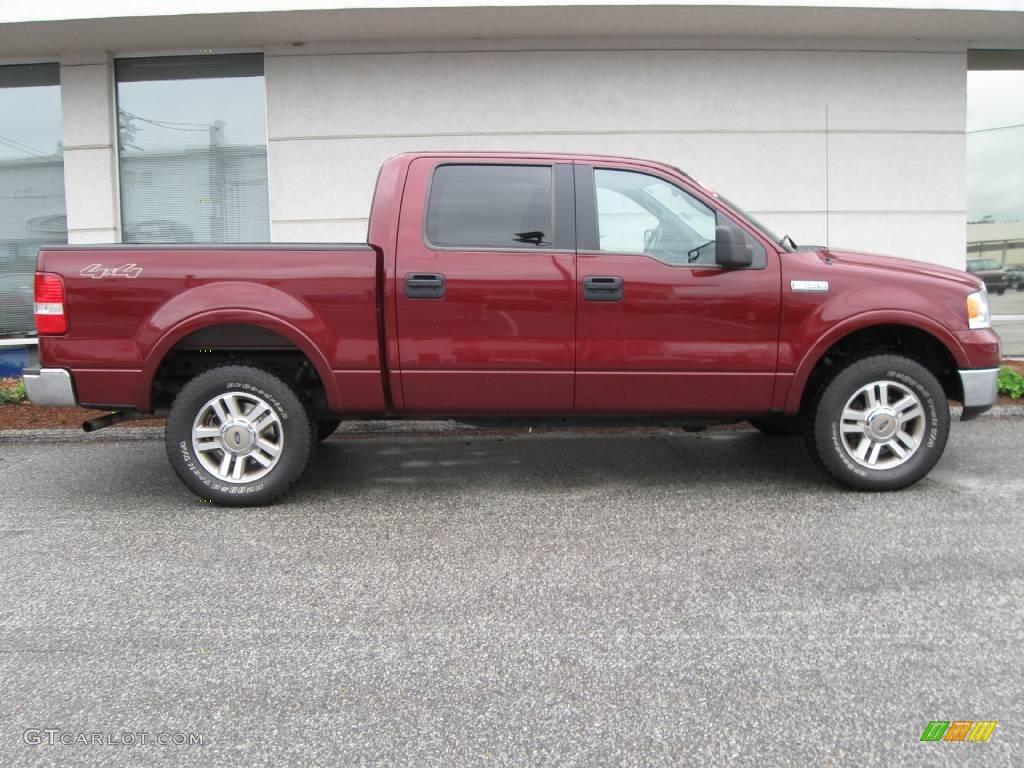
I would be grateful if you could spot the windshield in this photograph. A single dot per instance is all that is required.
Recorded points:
(785, 243)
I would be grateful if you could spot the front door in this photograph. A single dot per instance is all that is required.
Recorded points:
(661, 327)
(485, 287)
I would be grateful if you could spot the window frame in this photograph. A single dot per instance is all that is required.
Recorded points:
(563, 238)
(587, 224)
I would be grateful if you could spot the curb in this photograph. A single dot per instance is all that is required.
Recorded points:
(374, 429)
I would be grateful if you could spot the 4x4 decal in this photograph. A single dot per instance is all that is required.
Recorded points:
(98, 271)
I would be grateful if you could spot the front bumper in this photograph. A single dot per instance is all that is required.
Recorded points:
(980, 391)
(49, 386)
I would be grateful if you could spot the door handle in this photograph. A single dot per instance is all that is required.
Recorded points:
(602, 288)
(419, 285)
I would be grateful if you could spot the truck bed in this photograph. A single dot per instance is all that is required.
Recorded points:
(321, 298)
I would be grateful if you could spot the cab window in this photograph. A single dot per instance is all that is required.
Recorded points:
(643, 214)
(490, 207)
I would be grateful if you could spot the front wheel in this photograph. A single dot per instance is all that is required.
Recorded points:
(238, 436)
(880, 424)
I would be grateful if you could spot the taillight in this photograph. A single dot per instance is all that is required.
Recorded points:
(49, 307)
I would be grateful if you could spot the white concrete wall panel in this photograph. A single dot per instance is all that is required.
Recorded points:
(748, 123)
(551, 91)
(906, 172)
(88, 133)
(95, 236)
(89, 189)
(353, 231)
(935, 237)
(344, 170)
(86, 99)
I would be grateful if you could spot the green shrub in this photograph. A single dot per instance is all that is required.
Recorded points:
(1010, 382)
(12, 391)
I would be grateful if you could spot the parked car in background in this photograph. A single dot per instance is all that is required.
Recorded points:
(16, 304)
(1015, 277)
(990, 271)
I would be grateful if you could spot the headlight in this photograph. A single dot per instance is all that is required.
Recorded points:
(977, 310)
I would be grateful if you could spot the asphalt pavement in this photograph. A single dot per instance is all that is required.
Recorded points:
(568, 599)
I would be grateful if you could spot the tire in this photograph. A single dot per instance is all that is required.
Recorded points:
(325, 428)
(910, 415)
(214, 409)
(1000, 291)
(779, 426)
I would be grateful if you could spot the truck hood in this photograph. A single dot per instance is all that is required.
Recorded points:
(904, 266)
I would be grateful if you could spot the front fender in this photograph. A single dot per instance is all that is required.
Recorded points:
(204, 306)
(859, 322)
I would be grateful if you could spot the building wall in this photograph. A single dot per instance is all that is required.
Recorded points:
(749, 123)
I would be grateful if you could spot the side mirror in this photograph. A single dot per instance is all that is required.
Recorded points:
(731, 249)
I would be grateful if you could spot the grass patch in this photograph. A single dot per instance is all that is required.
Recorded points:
(11, 391)
(1010, 383)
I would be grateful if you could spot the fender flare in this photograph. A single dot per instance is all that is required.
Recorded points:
(212, 317)
(858, 323)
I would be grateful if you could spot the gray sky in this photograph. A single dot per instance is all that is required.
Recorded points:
(995, 158)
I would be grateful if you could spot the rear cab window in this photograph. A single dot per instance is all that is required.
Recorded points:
(490, 207)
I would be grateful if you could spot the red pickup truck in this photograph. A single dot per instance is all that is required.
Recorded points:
(516, 285)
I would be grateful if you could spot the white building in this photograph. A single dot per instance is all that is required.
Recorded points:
(845, 121)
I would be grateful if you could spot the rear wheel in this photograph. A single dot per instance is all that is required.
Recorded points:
(238, 435)
(880, 424)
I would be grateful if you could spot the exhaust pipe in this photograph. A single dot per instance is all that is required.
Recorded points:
(104, 421)
(118, 416)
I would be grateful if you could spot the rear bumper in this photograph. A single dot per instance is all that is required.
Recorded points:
(49, 386)
(980, 391)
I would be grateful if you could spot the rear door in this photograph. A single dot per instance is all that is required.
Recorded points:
(486, 287)
(661, 327)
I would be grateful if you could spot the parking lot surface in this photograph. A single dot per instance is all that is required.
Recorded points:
(570, 599)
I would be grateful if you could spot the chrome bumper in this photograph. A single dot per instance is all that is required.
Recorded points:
(49, 386)
(979, 391)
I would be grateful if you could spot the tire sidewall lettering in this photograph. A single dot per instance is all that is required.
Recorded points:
(274, 402)
(926, 399)
(837, 446)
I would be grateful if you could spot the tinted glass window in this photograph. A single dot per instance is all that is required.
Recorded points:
(31, 185)
(193, 146)
(642, 214)
(490, 206)
(982, 264)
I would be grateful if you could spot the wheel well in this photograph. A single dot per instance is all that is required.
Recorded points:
(239, 344)
(905, 340)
